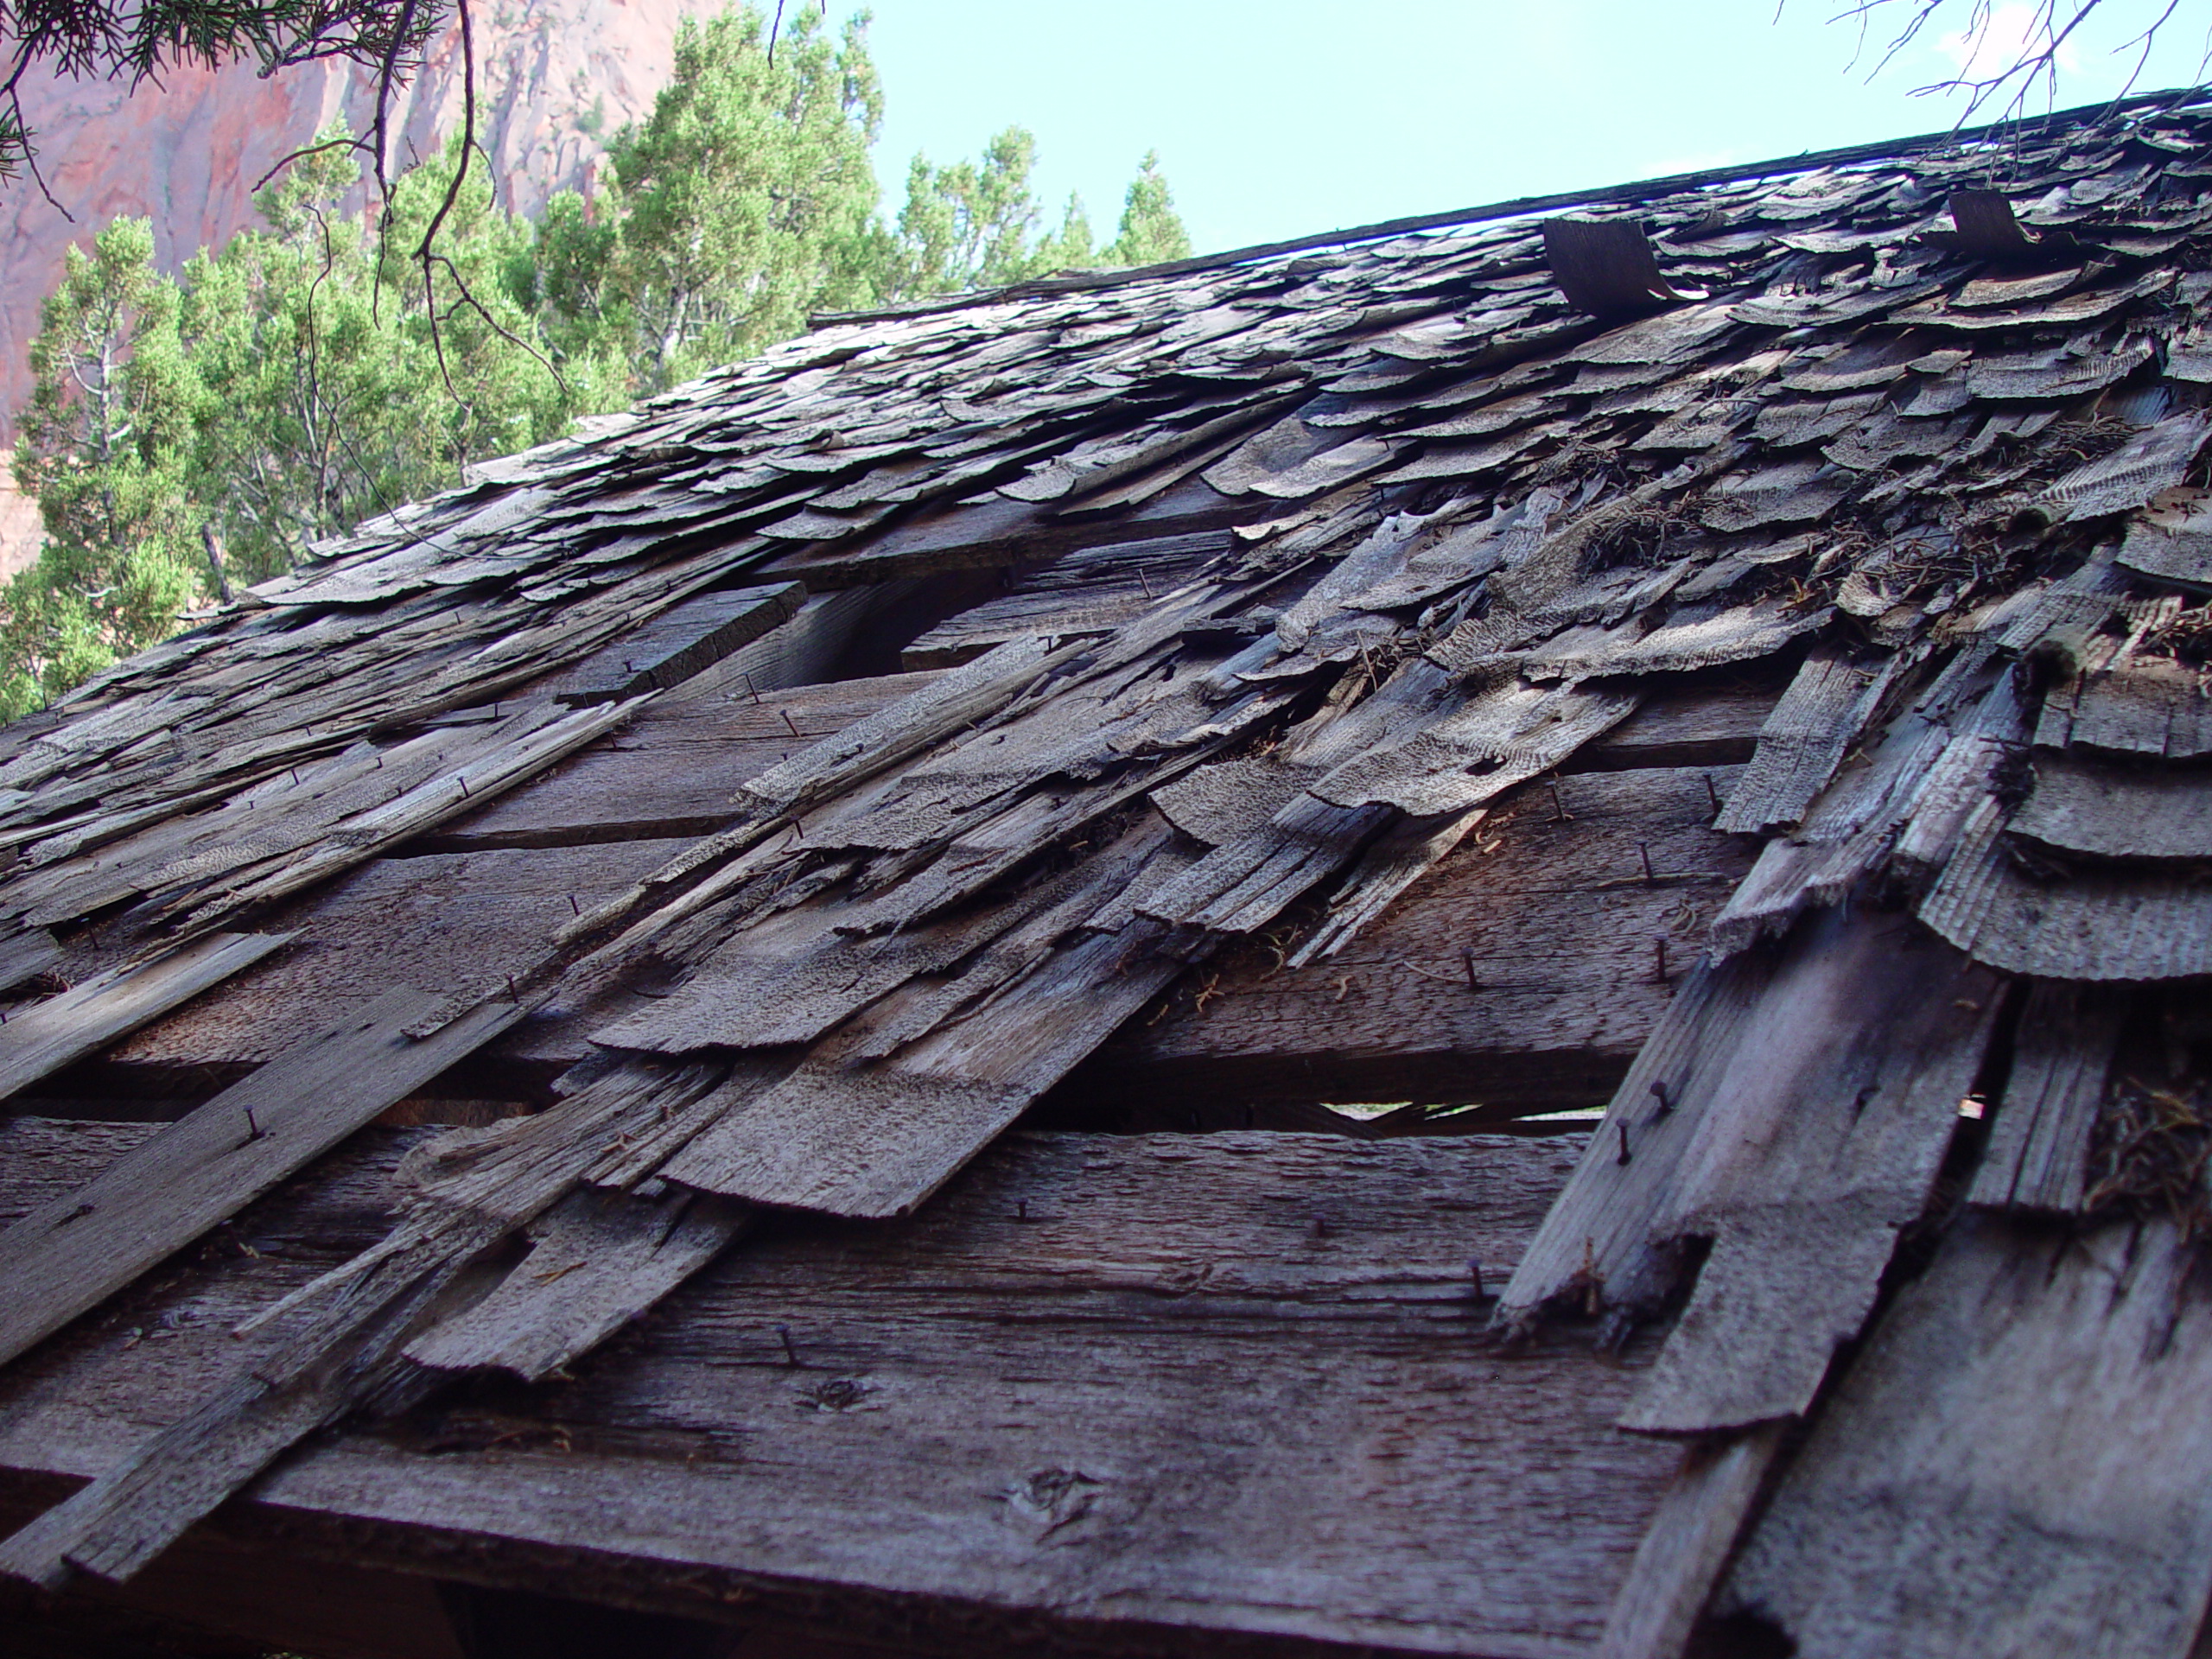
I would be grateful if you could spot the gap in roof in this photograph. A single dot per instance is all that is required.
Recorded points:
(1279, 118)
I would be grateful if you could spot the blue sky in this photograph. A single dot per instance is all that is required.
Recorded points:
(1276, 119)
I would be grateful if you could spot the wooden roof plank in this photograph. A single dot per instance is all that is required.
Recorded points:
(597, 1260)
(678, 644)
(2082, 805)
(1573, 951)
(2015, 1465)
(83, 1246)
(878, 1140)
(2037, 1156)
(1013, 1490)
(1690, 1542)
(1817, 1147)
(676, 770)
(1820, 716)
(42, 1039)
(2141, 705)
(2109, 923)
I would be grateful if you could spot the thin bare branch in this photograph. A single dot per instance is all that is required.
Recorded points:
(283, 161)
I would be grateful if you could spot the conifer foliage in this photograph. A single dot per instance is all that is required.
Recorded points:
(191, 433)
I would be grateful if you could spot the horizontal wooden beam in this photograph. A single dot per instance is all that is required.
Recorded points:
(1222, 1394)
(443, 923)
(1568, 969)
(674, 770)
(1000, 531)
(1522, 973)
(678, 644)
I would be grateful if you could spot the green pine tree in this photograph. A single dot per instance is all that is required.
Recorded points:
(106, 448)
(1151, 232)
(743, 203)
(331, 396)
(307, 377)
(974, 225)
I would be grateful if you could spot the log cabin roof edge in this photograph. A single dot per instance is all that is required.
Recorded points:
(1244, 607)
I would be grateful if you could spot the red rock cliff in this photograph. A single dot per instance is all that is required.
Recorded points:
(551, 73)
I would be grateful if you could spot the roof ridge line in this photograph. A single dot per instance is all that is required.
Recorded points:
(1637, 190)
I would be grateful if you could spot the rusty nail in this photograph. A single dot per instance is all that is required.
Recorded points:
(1665, 1104)
(791, 1353)
(1711, 794)
(253, 1130)
(1623, 1158)
(1659, 954)
(787, 713)
(1560, 814)
(463, 782)
(514, 995)
(1644, 852)
(749, 691)
(1467, 961)
(295, 776)
(1475, 1272)
(1141, 582)
(575, 909)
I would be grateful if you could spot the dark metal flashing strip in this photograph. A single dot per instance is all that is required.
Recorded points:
(1641, 190)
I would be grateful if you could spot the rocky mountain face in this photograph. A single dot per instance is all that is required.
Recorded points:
(554, 77)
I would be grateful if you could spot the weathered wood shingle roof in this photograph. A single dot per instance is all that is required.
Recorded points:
(1293, 571)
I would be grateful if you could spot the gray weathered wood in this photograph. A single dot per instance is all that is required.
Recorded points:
(1604, 1244)
(1546, 907)
(2147, 464)
(183, 1472)
(40, 1040)
(26, 955)
(2038, 1153)
(2082, 805)
(2171, 539)
(1826, 707)
(674, 770)
(1682, 1556)
(2015, 1465)
(84, 1245)
(875, 1139)
(2144, 706)
(597, 1260)
(244, 1595)
(678, 644)
(1719, 727)
(982, 535)
(360, 837)
(1792, 1108)
(1817, 1146)
(931, 1467)
(2102, 923)
(1087, 591)
(444, 923)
